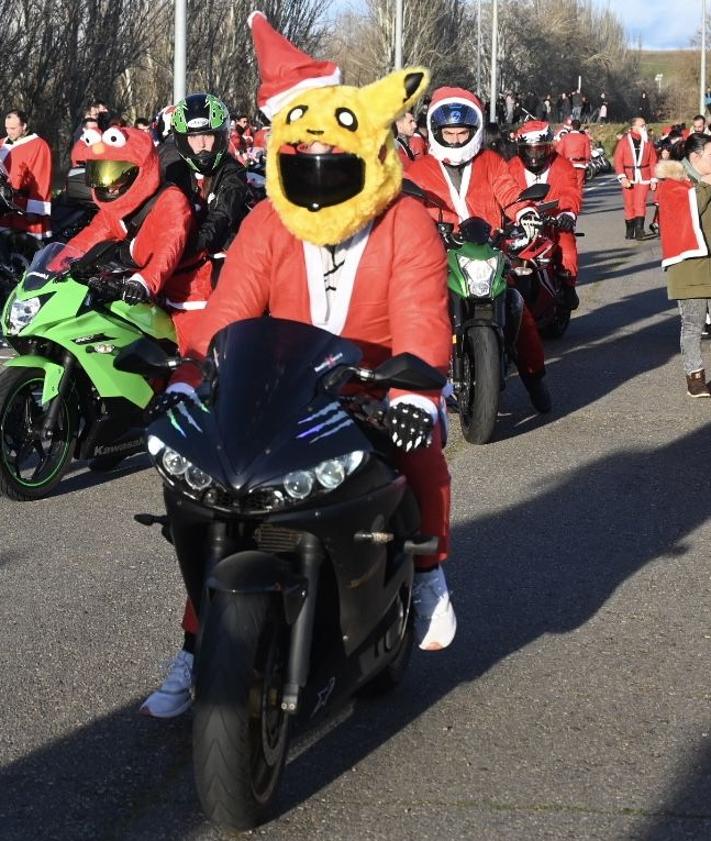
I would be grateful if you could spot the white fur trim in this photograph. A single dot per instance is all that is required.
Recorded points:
(334, 320)
(20, 141)
(462, 154)
(253, 15)
(420, 401)
(136, 276)
(186, 305)
(701, 250)
(459, 198)
(532, 178)
(41, 208)
(275, 103)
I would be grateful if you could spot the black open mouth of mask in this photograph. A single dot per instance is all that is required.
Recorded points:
(316, 181)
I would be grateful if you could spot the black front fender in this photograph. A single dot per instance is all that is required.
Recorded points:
(251, 572)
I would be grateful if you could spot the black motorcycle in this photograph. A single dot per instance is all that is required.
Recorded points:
(295, 535)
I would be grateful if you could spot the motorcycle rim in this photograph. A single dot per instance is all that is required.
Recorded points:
(31, 465)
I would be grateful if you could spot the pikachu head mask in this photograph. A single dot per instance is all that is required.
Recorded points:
(331, 159)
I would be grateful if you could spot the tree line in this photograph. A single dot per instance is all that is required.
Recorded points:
(62, 54)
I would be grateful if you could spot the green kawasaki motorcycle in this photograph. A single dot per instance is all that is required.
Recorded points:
(61, 397)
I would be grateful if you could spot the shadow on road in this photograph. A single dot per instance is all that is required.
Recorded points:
(124, 777)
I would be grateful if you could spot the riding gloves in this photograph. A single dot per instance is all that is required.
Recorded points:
(134, 292)
(410, 427)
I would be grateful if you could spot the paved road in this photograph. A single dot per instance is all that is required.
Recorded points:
(574, 703)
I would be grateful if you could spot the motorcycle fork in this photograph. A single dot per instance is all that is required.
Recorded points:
(457, 318)
(50, 421)
(311, 555)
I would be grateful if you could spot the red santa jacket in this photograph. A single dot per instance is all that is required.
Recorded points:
(561, 177)
(158, 245)
(29, 164)
(487, 187)
(635, 164)
(679, 224)
(392, 291)
(576, 147)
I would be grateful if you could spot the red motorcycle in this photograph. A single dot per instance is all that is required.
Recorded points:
(537, 268)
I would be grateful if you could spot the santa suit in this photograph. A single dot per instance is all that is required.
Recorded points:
(577, 148)
(157, 247)
(635, 159)
(391, 298)
(487, 186)
(564, 188)
(28, 161)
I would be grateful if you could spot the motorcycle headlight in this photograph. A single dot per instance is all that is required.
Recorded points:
(479, 274)
(190, 478)
(21, 313)
(301, 484)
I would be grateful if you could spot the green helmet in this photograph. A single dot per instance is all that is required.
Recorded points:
(201, 113)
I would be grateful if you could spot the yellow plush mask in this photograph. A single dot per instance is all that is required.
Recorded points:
(362, 176)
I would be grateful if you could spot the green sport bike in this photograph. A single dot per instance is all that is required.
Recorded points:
(61, 397)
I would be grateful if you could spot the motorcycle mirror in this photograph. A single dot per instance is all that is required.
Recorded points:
(145, 357)
(408, 371)
(547, 206)
(475, 230)
(536, 192)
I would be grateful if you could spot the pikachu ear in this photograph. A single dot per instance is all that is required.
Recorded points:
(389, 98)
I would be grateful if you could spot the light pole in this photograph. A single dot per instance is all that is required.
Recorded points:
(180, 49)
(478, 47)
(702, 75)
(398, 34)
(494, 50)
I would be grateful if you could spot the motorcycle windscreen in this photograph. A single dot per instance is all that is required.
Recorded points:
(268, 373)
(52, 260)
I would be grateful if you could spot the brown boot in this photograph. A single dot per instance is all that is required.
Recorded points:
(696, 384)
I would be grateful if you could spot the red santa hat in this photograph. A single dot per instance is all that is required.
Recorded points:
(285, 70)
(534, 131)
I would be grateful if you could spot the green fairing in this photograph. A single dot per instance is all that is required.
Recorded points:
(457, 281)
(52, 373)
(119, 325)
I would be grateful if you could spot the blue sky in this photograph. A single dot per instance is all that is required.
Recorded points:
(662, 24)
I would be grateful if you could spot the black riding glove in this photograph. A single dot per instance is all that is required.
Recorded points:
(410, 427)
(566, 222)
(134, 292)
(6, 195)
(163, 403)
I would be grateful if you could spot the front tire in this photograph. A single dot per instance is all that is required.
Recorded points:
(481, 383)
(240, 733)
(31, 466)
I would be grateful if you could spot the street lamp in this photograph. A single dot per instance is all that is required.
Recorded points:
(398, 34)
(494, 50)
(180, 49)
(702, 74)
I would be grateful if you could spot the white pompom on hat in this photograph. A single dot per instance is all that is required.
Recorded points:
(284, 69)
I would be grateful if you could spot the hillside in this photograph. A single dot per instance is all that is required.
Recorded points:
(673, 64)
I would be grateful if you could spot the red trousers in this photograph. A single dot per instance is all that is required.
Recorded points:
(635, 200)
(428, 476)
(580, 175)
(529, 347)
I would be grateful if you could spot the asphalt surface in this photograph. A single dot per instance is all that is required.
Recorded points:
(574, 702)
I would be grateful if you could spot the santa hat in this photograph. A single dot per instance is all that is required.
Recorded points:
(534, 131)
(461, 154)
(285, 70)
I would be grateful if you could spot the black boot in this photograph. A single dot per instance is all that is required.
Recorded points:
(569, 297)
(629, 228)
(639, 228)
(537, 391)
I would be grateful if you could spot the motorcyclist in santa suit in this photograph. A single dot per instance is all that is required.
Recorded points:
(537, 162)
(472, 181)
(337, 246)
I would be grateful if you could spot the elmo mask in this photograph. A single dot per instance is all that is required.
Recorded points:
(122, 167)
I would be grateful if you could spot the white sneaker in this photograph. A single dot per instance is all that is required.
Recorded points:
(173, 697)
(435, 622)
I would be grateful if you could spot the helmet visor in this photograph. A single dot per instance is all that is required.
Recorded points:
(455, 115)
(108, 173)
(535, 156)
(316, 181)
